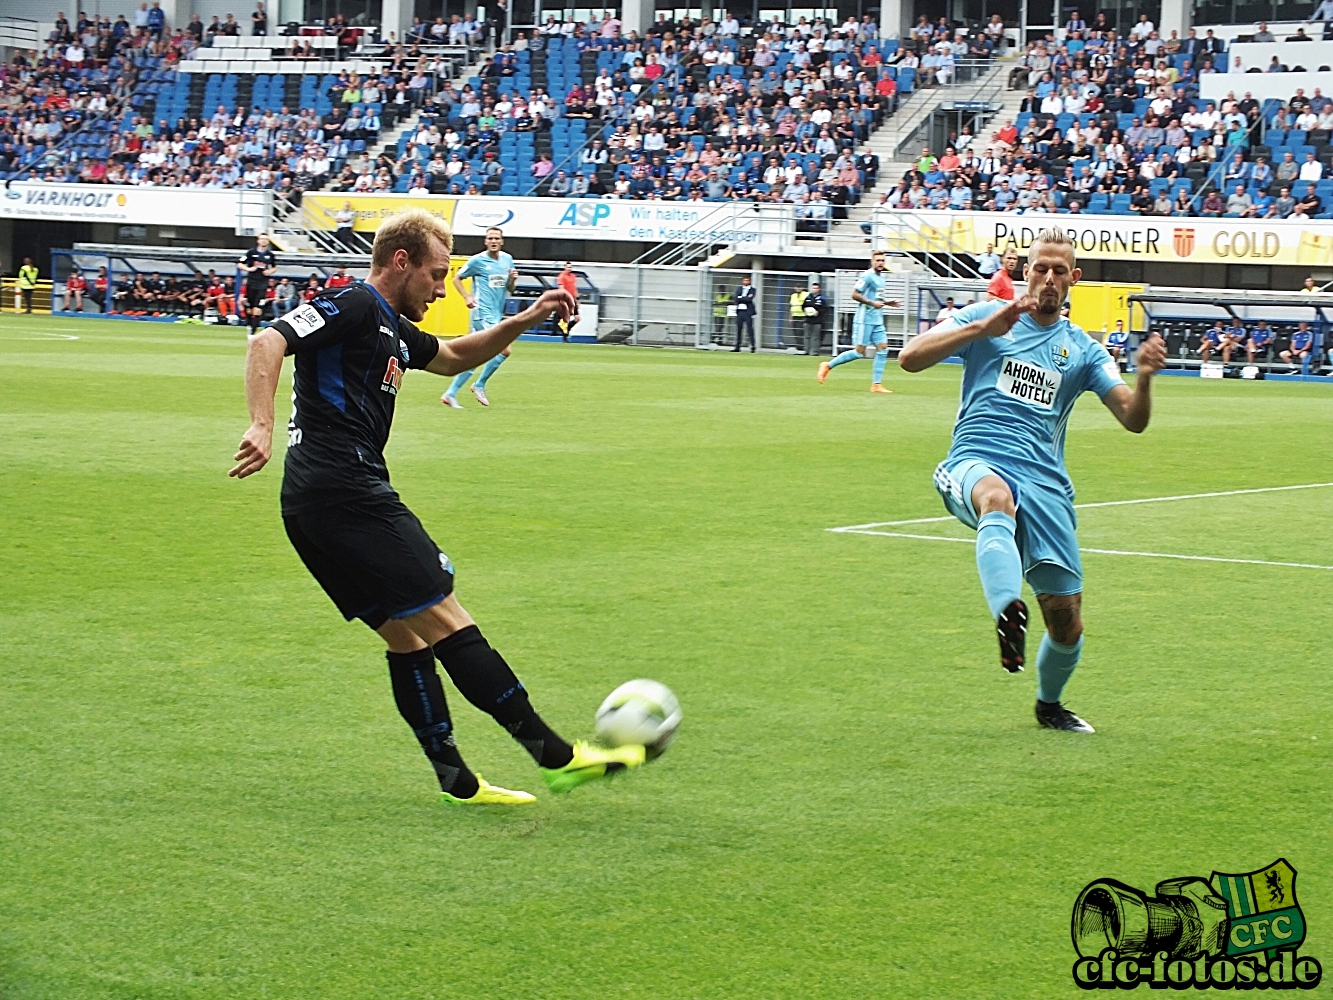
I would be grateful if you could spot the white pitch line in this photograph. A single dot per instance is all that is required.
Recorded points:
(1220, 559)
(860, 528)
(1104, 552)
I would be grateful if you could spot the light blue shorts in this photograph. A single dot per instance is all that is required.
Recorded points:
(483, 321)
(1046, 523)
(868, 334)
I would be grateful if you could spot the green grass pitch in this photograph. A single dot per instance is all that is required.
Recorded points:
(207, 792)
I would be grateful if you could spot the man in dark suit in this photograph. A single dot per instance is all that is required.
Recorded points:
(744, 301)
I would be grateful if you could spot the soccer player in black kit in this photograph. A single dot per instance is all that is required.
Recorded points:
(359, 541)
(258, 263)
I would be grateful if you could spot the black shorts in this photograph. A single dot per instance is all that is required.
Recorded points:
(254, 297)
(372, 557)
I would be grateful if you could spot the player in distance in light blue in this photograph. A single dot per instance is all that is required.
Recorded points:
(1024, 367)
(493, 278)
(869, 337)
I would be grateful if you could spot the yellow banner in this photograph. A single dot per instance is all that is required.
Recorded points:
(448, 317)
(1096, 305)
(371, 210)
(1151, 238)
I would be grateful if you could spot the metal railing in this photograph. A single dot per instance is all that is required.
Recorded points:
(977, 86)
(296, 222)
(19, 33)
(573, 155)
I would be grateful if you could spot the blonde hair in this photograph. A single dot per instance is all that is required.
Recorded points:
(412, 231)
(1054, 238)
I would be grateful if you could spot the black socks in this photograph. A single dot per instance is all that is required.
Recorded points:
(420, 698)
(484, 679)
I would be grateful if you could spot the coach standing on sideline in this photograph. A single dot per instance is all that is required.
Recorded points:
(744, 302)
(359, 541)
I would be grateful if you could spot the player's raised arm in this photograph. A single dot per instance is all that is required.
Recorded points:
(263, 365)
(467, 352)
(946, 339)
(1133, 407)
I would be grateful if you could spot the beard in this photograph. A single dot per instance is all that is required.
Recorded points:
(1049, 303)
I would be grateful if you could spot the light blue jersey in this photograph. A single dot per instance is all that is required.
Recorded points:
(870, 285)
(1019, 390)
(490, 286)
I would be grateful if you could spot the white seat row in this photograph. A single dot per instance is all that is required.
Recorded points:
(286, 66)
(273, 41)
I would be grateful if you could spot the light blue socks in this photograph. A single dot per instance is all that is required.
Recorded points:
(1055, 664)
(489, 369)
(460, 380)
(881, 359)
(998, 562)
(843, 358)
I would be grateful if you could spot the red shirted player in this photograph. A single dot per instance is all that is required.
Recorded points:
(75, 286)
(339, 278)
(217, 295)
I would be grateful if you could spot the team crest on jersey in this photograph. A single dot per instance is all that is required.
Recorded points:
(1060, 355)
(393, 376)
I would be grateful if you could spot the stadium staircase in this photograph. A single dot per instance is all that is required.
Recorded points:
(293, 230)
(894, 146)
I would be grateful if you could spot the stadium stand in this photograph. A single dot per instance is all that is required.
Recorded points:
(1111, 124)
(691, 111)
(1115, 125)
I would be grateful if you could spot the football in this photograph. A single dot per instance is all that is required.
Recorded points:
(640, 711)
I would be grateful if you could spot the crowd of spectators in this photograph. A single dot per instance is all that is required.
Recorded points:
(1113, 123)
(693, 110)
(85, 69)
(111, 73)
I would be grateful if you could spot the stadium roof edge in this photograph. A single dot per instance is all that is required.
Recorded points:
(213, 255)
(1186, 296)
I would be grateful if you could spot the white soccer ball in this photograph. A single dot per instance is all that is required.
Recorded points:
(641, 711)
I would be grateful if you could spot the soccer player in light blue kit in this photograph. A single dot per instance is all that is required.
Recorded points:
(493, 278)
(868, 334)
(1024, 367)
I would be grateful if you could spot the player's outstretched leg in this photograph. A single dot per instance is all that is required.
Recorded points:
(450, 397)
(1061, 648)
(881, 360)
(1001, 572)
(420, 698)
(484, 679)
(488, 369)
(851, 354)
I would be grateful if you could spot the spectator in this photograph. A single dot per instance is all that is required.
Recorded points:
(1216, 339)
(1261, 339)
(75, 287)
(1240, 203)
(1311, 204)
(1117, 343)
(989, 262)
(1297, 353)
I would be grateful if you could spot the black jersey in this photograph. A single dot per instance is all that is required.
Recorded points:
(266, 258)
(351, 350)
